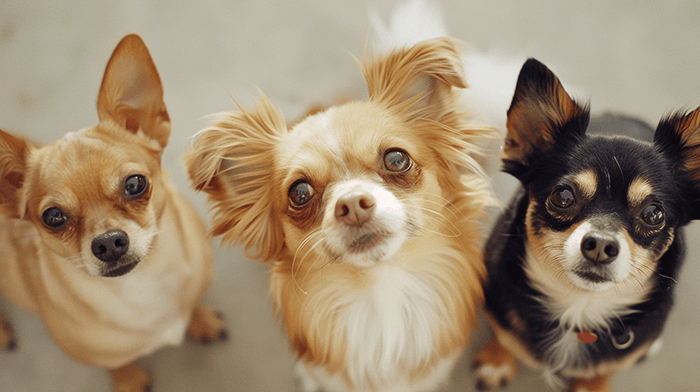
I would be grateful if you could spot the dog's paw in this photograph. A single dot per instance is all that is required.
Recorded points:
(130, 378)
(7, 337)
(206, 325)
(599, 384)
(495, 367)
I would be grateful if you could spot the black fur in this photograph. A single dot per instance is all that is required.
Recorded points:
(563, 149)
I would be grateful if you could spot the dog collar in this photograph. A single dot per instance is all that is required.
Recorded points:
(587, 337)
(620, 342)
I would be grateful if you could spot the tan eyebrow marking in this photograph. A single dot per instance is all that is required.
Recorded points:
(587, 183)
(638, 191)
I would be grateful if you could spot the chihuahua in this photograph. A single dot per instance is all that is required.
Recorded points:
(582, 265)
(96, 240)
(372, 238)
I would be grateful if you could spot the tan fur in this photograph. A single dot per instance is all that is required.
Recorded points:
(102, 321)
(587, 184)
(248, 160)
(638, 191)
(598, 384)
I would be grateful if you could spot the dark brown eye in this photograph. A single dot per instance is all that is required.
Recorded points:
(135, 186)
(397, 161)
(300, 193)
(54, 218)
(562, 197)
(653, 215)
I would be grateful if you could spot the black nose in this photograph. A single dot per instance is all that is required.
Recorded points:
(600, 248)
(110, 246)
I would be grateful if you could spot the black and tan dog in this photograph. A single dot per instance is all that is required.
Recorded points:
(582, 265)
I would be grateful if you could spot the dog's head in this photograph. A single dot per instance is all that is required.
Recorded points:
(94, 195)
(352, 183)
(602, 210)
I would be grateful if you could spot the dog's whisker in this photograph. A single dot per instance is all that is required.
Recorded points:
(316, 259)
(295, 267)
(440, 220)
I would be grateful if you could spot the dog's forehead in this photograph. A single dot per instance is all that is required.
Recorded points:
(316, 134)
(76, 164)
(339, 137)
(615, 168)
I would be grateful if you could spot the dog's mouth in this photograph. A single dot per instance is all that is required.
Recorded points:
(592, 276)
(367, 241)
(121, 268)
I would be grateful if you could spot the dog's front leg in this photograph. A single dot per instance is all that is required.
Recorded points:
(495, 366)
(206, 325)
(130, 378)
(598, 384)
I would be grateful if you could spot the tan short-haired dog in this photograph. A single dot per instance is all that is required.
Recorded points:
(96, 240)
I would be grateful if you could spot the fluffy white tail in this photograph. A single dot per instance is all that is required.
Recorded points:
(411, 22)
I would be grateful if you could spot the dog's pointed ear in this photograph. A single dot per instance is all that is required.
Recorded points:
(13, 160)
(418, 81)
(131, 93)
(233, 161)
(537, 115)
(678, 137)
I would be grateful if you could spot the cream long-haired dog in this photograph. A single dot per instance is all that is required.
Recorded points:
(369, 214)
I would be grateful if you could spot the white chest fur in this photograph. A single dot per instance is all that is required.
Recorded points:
(389, 331)
(578, 309)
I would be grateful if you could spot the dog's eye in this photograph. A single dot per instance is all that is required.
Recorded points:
(54, 218)
(135, 185)
(397, 161)
(300, 193)
(562, 197)
(653, 215)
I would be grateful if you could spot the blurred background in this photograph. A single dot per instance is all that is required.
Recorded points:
(639, 58)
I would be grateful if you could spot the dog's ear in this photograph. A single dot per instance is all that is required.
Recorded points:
(417, 81)
(541, 113)
(131, 93)
(678, 136)
(233, 161)
(13, 158)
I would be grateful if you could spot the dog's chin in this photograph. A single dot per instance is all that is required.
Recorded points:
(591, 278)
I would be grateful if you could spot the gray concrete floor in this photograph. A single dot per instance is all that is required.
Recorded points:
(638, 58)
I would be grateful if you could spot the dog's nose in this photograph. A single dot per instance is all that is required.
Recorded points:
(600, 248)
(355, 208)
(110, 246)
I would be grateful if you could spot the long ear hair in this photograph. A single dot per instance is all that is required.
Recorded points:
(233, 161)
(421, 85)
(416, 81)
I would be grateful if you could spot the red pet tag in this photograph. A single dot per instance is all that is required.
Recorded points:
(587, 337)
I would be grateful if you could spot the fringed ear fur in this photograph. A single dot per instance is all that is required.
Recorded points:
(13, 158)
(678, 136)
(416, 81)
(131, 94)
(421, 85)
(537, 115)
(233, 162)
